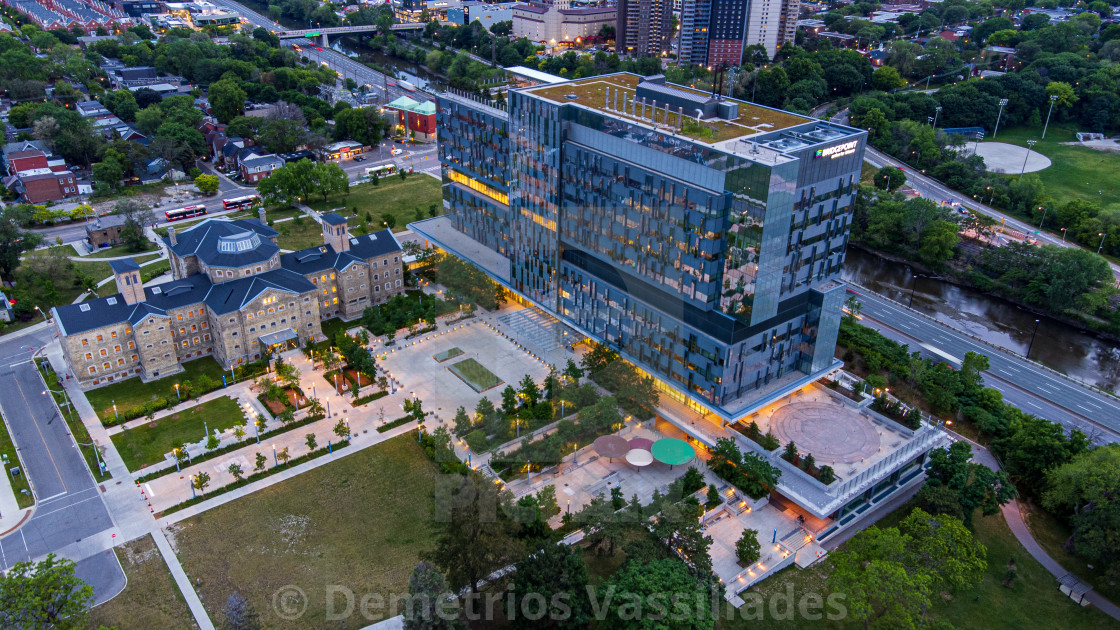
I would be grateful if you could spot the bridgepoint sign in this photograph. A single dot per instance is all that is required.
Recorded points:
(838, 151)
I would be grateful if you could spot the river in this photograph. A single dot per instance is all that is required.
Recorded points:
(1056, 345)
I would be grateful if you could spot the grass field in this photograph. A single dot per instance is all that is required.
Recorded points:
(1075, 172)
(296, 236)
(8, 449)
(402, 199)
(1033, 601)
(134, 392)
(359, 522)
(151, 271)
(147, 444)
(150, 600)
(478, 377)
(121, 250)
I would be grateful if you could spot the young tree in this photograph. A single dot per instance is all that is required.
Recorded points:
(235, 470)
(423, 610)
(509, 400)
(207, 184)
(200, 481)
(260, 463)
(748, 549)
(283, 455)
(341, 430)
(311, 442)
(692, 481)
(463, 422)
(45, 594)
(239, 614)
(572, 372)
(528, 389)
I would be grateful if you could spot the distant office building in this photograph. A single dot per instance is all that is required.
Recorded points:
(644, 28)
(716, 32)
(556, 25)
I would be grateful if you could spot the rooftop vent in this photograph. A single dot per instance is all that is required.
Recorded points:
(83, 308)
(157, 290)
(111, 301)
(571, 97)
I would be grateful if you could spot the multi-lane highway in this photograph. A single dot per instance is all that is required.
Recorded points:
(1024, 384)
(70, 518)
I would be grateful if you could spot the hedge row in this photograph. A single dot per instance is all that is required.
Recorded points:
(394, 424)
(236, 445)
(251, 478)
(368, 399)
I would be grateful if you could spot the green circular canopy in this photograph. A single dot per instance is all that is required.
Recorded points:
(673, 451)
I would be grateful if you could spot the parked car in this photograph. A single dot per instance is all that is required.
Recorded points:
(396, 151)
(358, 158)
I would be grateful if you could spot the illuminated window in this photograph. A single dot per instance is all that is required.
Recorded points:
(120, 362)
(107, 365)
(113, 334)
(89, 356)
(92, 370)
(85, 342)
(117, 348)
(100, 338)
(104, 352)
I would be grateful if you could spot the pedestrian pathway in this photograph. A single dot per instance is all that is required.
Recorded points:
(1013, 514)
(184, 582)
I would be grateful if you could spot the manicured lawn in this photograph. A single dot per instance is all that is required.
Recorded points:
(1075, 172)
(447, 354)
(150, 600)
(360, 522)
(77, 429)
(1051, 533)
(478, 377)
(332, 327)
(1033, 601)
(299, 235)
(391, 195)
(151, 271)
(134, 392)
(120, 250)
(147, 444)
(18, 483)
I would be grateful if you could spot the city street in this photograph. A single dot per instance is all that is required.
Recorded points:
(70, 518)
(1024, 384)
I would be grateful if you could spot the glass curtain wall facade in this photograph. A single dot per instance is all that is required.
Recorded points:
(714, 268)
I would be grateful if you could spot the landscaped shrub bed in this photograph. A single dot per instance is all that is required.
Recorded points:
(395, 423)
(358, 402)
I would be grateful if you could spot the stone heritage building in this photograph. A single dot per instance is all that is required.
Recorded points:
(233, 295)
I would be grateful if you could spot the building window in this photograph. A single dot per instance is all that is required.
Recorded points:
(179, 317)
(85, 342)
(89, 356)
(120, 362)
(184, 343)
(113, 334)
(135, 358)
(194, 328)
(204, 325)
(107, 366)
(104, 352)
(196, 339)
(100, 339)
(92, 370)
(131, 345)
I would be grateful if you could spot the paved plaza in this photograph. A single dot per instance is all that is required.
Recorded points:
(831, 432)
(1001, 157)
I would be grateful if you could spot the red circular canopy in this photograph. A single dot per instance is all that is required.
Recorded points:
(642, 443)
(611, 446)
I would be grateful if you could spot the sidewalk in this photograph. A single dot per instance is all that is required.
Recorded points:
(11, 514)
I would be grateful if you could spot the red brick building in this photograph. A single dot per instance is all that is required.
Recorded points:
(42, 184)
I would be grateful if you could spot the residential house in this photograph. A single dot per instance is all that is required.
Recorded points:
(257, 167)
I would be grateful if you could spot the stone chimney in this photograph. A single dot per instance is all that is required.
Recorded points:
(171, 236)
(260, 213)
(127, 274)
(334, 232)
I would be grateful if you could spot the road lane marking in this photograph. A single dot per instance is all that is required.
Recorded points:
(148, 487)
(1032, 404)
(1085, 408)
(43, 439)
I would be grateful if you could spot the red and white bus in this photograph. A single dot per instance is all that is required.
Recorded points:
(240, 203)
(185, 213)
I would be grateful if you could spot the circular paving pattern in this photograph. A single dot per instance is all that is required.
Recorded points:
(831, 432)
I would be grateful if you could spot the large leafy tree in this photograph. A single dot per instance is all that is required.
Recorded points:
(642, 588)
(1087, 491)
(427, 589)
(45, 594)
(976, 485)
(473, 538)
(14, 241)
(556, 573)
(227, 99)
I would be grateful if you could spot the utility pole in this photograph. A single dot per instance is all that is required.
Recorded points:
(1053, 99)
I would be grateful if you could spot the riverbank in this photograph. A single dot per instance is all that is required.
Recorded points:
(955, 275)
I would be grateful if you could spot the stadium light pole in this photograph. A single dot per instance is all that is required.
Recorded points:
(1053, 99)
(1002, 104)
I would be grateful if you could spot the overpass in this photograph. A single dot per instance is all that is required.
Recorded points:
(333, 31)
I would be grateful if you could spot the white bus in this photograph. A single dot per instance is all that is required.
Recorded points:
(383, 170)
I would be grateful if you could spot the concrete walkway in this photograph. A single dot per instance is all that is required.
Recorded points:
(1014, 517)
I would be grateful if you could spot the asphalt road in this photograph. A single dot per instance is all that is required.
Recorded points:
(1024, 384)
(69, 509)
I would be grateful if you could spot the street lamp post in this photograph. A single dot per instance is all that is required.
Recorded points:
(1053, 99)
(274, 458)
(936, 113)
(1101, 246)
(1030, 145)
(1063, 235)
(913, 287)
(116, 415)
(1002, 104)
(1044, 211)
(1031, 344)
(177, 396)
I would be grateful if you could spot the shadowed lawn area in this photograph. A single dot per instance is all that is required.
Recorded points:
(1033, 601)
(150, 600)
(359, 522)
(19, 482)
(402, 199)
(477, 376)
(1075, 172)
(301, 234)
(120, 250)
(146, 444)
(134, 392)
